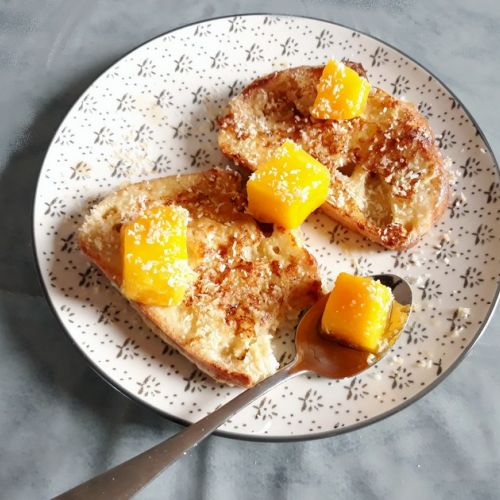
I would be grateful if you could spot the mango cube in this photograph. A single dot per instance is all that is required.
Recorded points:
(154, 255)
(342, 93)
(288, 187)
(357, 312)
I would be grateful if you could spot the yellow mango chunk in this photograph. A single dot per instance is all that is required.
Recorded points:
(154, 255)
(342, 93)
(288, 187)
(357, 312)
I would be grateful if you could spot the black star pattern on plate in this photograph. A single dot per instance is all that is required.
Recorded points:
(88, 104)
(200, 94)
(311, 401)
(143, 133)
(235, 87)
(339, 234)
(55, 207)
(483, 234)
(379, 57)
(255, 53)
(401, 85)
(403, 260)
(492, 193)
(271, 20)
(325, 39)
(472, 277)
(68, 312)
(362, 266)
(146, 68)
(199, 158)
(65, 137)
(182, 130)
(103, 136)
(125, 103)
(219, 60)
(289, 47)
(164, 99)
(161, 164)
(149, 386)
(470, 167)
(425, 108)
(416, 333)
(237, 25)
(401, 378)
(196, 381)
(356, 389)
(183, 64)
(109, 313)
(168, 350)
(80, 171)
(459, 321)
(68, 243)
(266, 409)
(203, 30)
(90, 278)
(129, 349)
(446, 250)
(430, 289)
(120, 169)
(459, 208)
(446, 139)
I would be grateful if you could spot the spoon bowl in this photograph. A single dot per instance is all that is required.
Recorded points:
(314, 354)
(333, 360)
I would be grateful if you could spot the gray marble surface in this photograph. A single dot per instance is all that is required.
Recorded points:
(60, 423)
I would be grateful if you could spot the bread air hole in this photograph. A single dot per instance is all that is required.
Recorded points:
(267, 228)
(378, 208)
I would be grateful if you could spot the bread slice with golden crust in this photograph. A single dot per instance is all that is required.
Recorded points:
(388, 181)
(248, 283)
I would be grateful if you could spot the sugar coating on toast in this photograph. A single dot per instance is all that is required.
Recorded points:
(249, 283)
(388, 181)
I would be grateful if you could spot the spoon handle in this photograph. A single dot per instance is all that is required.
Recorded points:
(128, 478)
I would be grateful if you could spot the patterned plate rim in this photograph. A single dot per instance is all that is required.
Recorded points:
(249, 437)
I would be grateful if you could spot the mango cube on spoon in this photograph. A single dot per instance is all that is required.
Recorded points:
(357, 312)
(288, 187)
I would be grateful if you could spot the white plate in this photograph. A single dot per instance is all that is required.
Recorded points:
(153, 113)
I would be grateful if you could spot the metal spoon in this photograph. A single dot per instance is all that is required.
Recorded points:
(314, 354)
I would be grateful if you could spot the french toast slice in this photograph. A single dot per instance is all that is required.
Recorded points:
(249, 283)
(388, 181)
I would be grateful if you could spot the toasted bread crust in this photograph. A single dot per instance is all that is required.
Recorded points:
(388, 181)
(245, 290)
